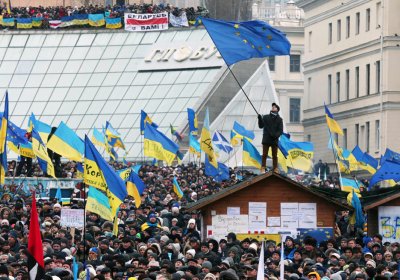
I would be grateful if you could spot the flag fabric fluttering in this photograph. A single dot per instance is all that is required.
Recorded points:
(17, 141)
(97, 202)
(113, 137)
(176, 133)
(194, 145)
(145, 119)
(58, 195)
(348, 185)
(42, 128)
(35, 247)
(98, 138)
(193, 124)
(390, 155)
(177, 188)
(364, 160)
(333, 125)
(3, 142)
(239, 132)
(237, 41)
(353, 199)
(299, 155)
(221, 143)
(251, 156)
(206, 142)
(388, 171)
(159, 146)
(135, 187)
(40, 150)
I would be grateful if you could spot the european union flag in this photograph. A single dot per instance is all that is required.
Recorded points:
(238, 41)
(223, 172)
(389, 170)
(390, 155)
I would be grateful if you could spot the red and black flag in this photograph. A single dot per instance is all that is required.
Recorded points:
(35, 247)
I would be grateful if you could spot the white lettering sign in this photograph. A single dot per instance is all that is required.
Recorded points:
(72, 217)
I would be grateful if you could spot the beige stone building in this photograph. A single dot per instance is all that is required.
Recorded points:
(351, 60)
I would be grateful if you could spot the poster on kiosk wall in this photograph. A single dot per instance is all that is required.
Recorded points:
(389, 223)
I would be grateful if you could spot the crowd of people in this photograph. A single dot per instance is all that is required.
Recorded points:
(116, 11)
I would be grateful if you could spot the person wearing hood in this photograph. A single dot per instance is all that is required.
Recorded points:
(151, 225)
(191, 231)
(272, 125)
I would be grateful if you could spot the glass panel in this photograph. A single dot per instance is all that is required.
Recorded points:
(126, 51)
(88, 66)
(75, 93)
(111, 79)
(103, 93)
(166, 105)
(35, 40)
(13, 53)
(116, 121)
(87, 122)
(79, 53)
(73, 121)
(101, 120)
(124, 107)
(150, 37)
(24, 67)
(18, 40)
(67, 107)
(211, 75)
(18, 120)
(46, 119)
(111, 52)
(41, 66)
(96, 79)
(58, 119)
(59, 94)
(129, 121)
(161, 91)
(188, 90)
(34, 80)
(36, 108)
(52, 40)
(28, 94)
(119, 65)
(110, 107)
(52, 108)
(8, 67)
(69, 40)
(104, 65)
(46, 53)
(95, 52)
(118, 39)
(81, 107)
(63, 53)
(166, 36)
(174, 91)
(86, 39)
(96, 107)
(152, 106)
(57, 66)
(147, 92)
(170, 77)
(89, 93)
(81, 80)
(141, 78)
(13, 93)
(181, 36)
(50, 80)
(155, 78)
(72, 66)
(141, 51)
(43, 94)
(169, 118)
(5, 80)
(198, 76)
(139, 105)
(66, 80)
(200, 90)
(30, 53)
(133, 65)
(134, 38)
(102, 39)
(18, 80)
(196, 35)
(126, 79)
(184, 76)
(23, 107)
(133, 92)
(2, 52)
(5, 40)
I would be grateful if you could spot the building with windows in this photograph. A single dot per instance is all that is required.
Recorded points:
(352, 49)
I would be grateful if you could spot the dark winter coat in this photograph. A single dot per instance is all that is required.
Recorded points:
(272, 128)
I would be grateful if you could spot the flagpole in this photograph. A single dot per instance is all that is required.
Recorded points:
(335, 156)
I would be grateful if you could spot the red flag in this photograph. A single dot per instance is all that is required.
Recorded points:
(35, 247)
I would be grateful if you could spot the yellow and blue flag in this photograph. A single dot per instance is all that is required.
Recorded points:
(365, 162)
(177, 188)
(251, 156)
(3, 142)
(67, 21)
(113, 23)
(239, 132)
(98, 138)
(37, 21)
(97, 202)
(299, 155)
(81, 19)
(24, 23)
(238, 41)
(40, 150)
(8, 22)
(206, 144)
(357, 219)
(159, 146)
(17, 142)
(42, 128)
(113, 137)
(135, 188)
(333, 125)
(58, 195)
(99, 174)
(66, 142)
(145, 119)
(348, 185)
(193, 123)
(194, 145)
(124, 173)
(96, 20)
(389, 170)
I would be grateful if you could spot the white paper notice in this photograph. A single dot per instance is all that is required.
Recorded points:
(288, 208)
(309, 215)
(257, 215)
(233, 211)
(274, 221)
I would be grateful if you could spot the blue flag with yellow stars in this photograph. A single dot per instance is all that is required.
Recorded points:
(238, 41)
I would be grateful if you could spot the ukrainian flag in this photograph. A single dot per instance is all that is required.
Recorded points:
(124, 173)
(97, 202)
(42, 128)
(177, 188)
(67, 21)
(159, 146)
(8, 22)
(194, 145)
(37, 21)
(206, 141)
(81, 19)
(251, 156)
(65, 142)
(357, 219)
(145, 119)
(40, 150)
(193, 123)
(135, 187)
(239, 132)
(98, 138)
(348, 185)
(99, 174)
(113, 137)
(24, 23)
(299, 154)
(331, 122)
(96, 20)
(3, 142)
(113, 23)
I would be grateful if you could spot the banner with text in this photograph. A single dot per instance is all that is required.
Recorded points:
(389, 223)
(146, 22)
